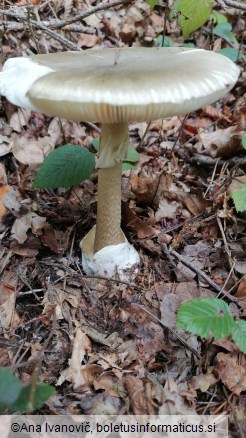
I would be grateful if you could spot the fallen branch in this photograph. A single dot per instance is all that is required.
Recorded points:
(13, 26)
(204, 277)
(19, 14)
(174, 332)
(84, 14)
(204, 160)
(232, 3)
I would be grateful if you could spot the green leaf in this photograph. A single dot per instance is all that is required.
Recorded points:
(231, 53)
(167, 41)
(66, 166)
(189, 44)
(152, 3)
(223, 30)
(42, 393)
(132, 155)
(127, 166)
(10, 387)
(218, 18)
(206, 316)
(239, 335)
(95, 143)
(193, 14)
(244, 141)
(239, 198)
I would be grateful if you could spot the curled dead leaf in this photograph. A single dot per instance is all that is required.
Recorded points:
(30, 221)
(91, 373)
(74, 373)
(138, 399)
(8, 286)
(230, 372)
(173, 403)
(135, 224)
(3, 192)
(222, 143)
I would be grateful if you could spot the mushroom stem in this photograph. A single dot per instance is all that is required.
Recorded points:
(112, 150)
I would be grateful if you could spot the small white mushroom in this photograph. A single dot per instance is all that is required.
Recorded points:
(113, 87)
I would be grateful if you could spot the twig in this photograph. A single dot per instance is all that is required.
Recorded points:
(20, 15)
(69, 260)
(165, 24)
(29, 292)
(203, 160)
(31, 28)
(38, 25)
(212, 178)
(37, 359)
(139, 147)
(179, 132)
(234, 411)
(93, 10)
(167, 254)
(71, 28)
(171, 330)
(222, 4)
(58, 24)
(233, 3)
(115, 280)
(204, 276)
(227, 249)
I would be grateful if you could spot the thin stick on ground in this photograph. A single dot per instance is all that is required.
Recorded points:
(94, 9)
(20, 15)
(204, 277)
(232, 3)
(171, 330)
(227, 250)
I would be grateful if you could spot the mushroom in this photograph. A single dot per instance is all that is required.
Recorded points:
(113, 87)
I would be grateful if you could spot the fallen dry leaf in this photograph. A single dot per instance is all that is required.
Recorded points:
(31, 151)
(214, 113)
(91, 372)
(57, 297)
(138, 398)
(128, 33)
(3, 176)
(3, 192)
(204, 381)
(135, 224)
(19, 119)
(74, 374)
(226, 344)
(5, 146)
(169, 308)
(241, 294)
(107, 381)
(8, 287)
(30, 221)
(167, 209)
(173, 403)
(142, 187)
(87, 40)
(222, 143)
(230, 372)
(193, 200)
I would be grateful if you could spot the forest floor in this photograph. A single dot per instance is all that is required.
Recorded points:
(107, 346)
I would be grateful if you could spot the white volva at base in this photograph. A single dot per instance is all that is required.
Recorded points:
(120, 262)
